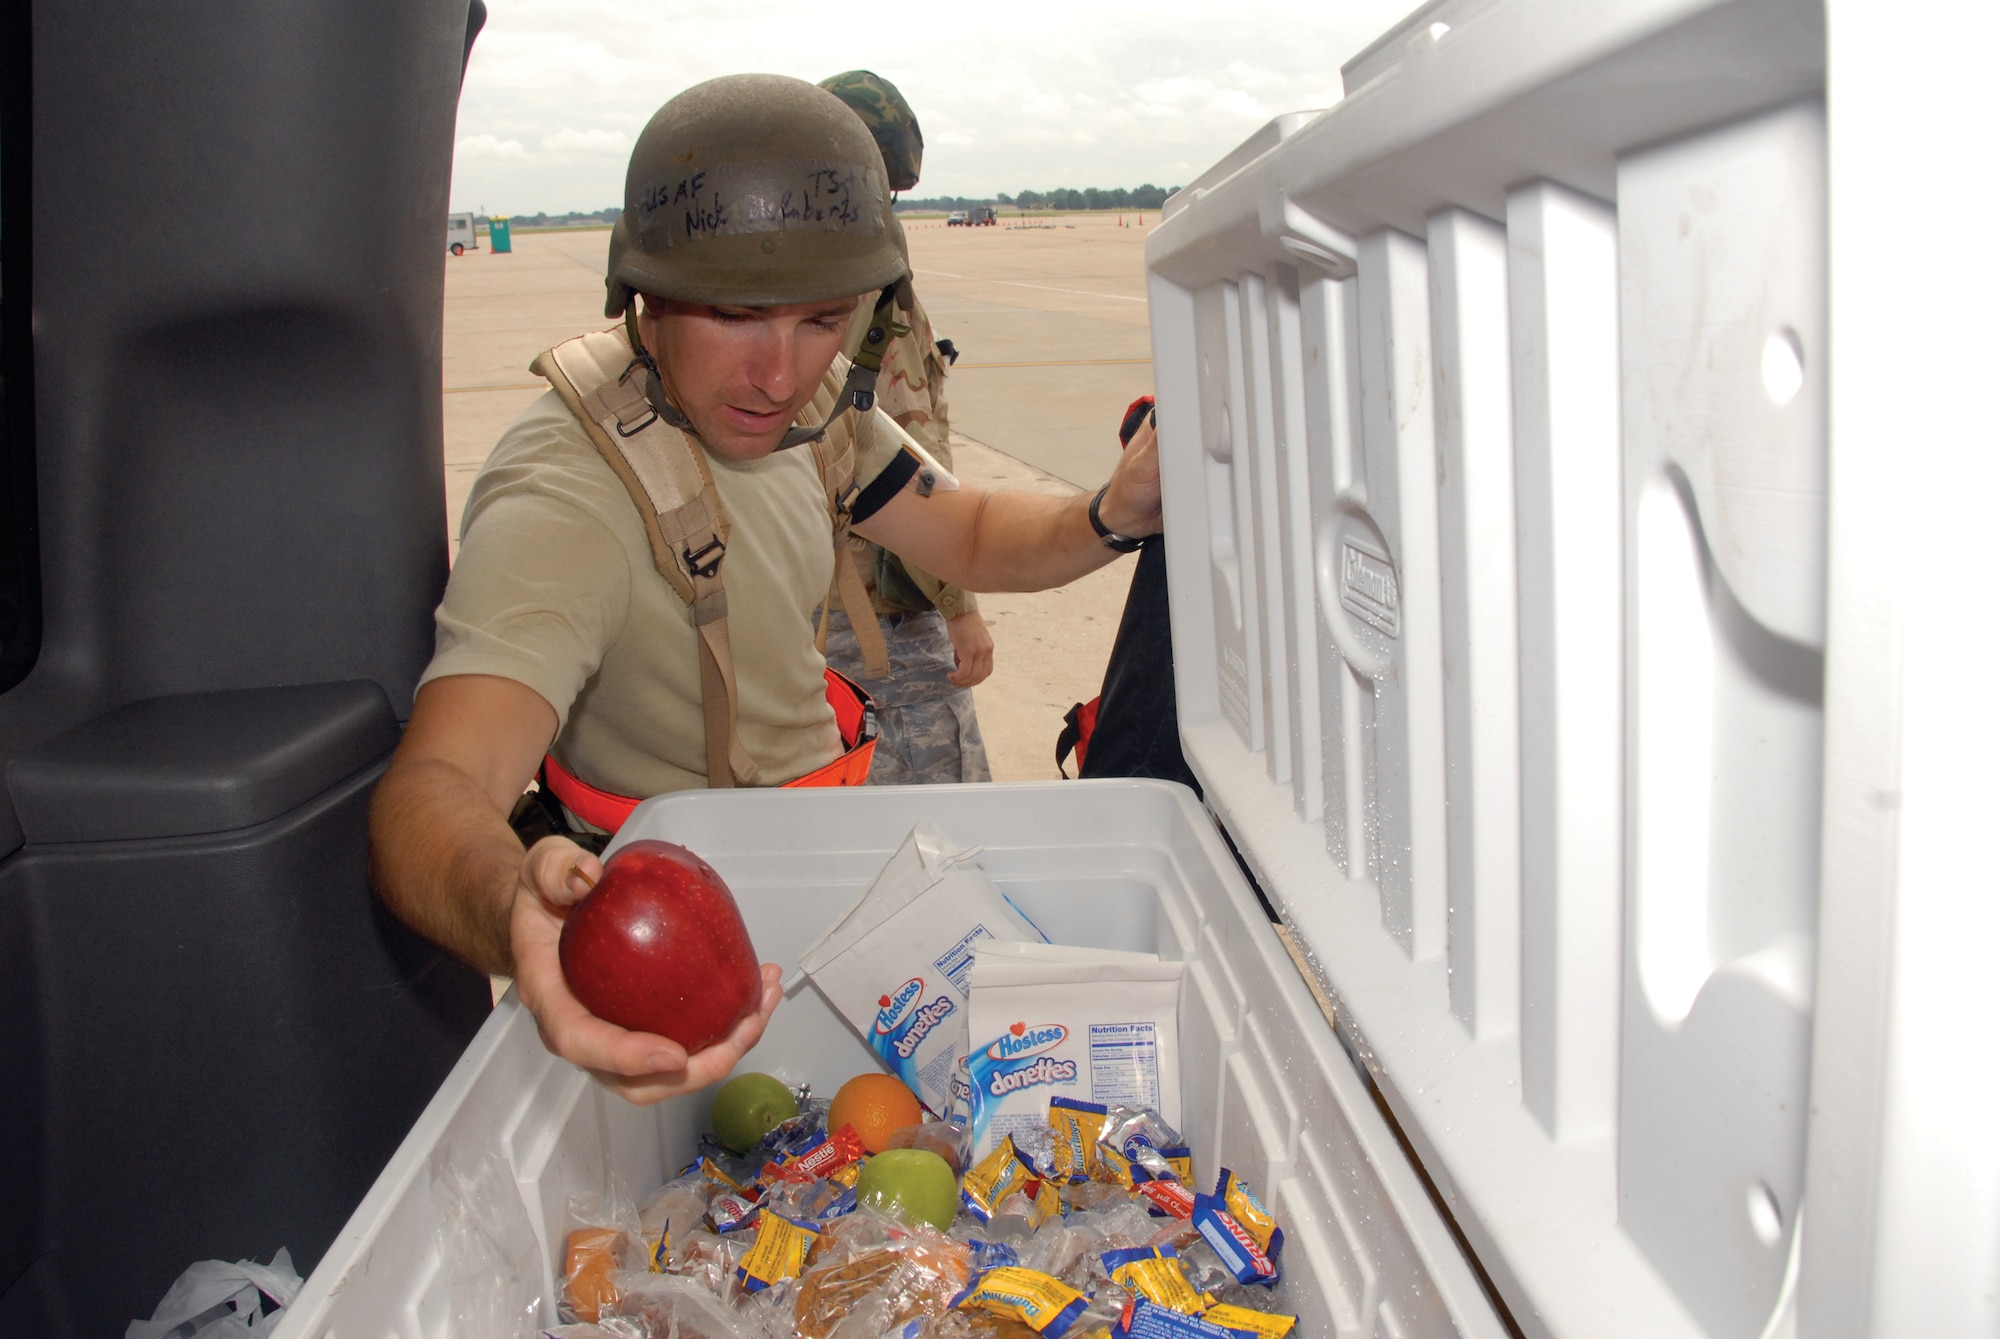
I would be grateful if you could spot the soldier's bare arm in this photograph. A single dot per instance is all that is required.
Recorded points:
(444, 859)
(1020, 541)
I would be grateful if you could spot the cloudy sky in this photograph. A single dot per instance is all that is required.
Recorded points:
(1012, 94)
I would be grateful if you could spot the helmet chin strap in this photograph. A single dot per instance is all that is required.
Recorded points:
(857, 393)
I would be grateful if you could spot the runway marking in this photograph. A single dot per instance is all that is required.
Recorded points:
(1046, 288)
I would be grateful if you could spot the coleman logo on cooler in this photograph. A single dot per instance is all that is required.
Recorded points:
(1368, 588)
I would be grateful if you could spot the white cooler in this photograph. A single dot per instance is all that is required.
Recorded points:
(1592, 685)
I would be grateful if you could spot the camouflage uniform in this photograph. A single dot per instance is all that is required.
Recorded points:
(929, 730)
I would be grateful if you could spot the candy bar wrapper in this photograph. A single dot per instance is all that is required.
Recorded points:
(1046, 1305)
(715, 1173)
(825, 1156)
(1001, 1173)
(1038, 1201)
(779, 1253)
(1076, 1125)
(1150, 1320)
(991, 1254)
(1247, 1209)
(656, 1260)
(1167, 1199)
(730, 1211)
(1240, 1253)
(1155, 1273)
(1261, 1324)
(1137, 1144)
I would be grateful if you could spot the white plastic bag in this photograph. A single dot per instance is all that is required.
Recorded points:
(222, 1300)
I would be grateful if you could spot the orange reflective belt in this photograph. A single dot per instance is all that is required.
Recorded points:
(853, 712)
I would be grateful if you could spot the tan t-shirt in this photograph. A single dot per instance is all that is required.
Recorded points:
(555, 588)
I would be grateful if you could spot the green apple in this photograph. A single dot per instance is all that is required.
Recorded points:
(747, 1108)
(911, 1184)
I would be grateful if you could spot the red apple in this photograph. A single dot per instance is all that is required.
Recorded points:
(659, 946)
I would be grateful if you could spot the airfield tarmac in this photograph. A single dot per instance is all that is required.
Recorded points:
(1050, 323)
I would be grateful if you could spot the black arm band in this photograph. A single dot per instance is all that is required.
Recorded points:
(883, 486)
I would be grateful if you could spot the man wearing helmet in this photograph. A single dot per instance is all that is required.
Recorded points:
(937, 643)
(586, 632)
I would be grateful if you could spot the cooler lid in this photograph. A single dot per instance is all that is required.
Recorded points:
(1494, 420)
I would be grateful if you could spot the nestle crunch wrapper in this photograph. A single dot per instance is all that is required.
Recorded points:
(895, 966)
(1097, 1026)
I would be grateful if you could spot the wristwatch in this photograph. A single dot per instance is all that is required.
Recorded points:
(1112, 539)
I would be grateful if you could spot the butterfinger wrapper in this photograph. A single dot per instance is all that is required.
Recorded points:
(1076, 1125)
(1262, 1324)
(1155, 1273)
(1247, 1209)
(779, 1253)
(1045, 1304)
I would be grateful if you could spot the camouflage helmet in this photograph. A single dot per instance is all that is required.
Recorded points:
(754, 190)
(889, 119)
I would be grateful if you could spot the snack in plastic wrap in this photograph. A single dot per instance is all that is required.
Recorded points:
(1155, 1273)
(592, 1259)
(1001, 1173)
(676, 1209)
(1046, 1305)
(607, 1327)
(1247, 1209)
(1262, 1324)
(710, 1260)
(668, 1305)
(823, 1155)
(947, 1139)
(779, 1252)
(884, 1289)
(1232, 1241)
(1076, 1125)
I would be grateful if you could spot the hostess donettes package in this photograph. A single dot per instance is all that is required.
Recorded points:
(1094, 1025)
(896, 964)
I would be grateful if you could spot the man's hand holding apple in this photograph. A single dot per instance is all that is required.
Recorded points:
(643, 1067)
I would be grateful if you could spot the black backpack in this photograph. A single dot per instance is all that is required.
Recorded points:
(1130, 728)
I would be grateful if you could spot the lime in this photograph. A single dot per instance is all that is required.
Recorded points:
(912, 1184)
(747, 1107)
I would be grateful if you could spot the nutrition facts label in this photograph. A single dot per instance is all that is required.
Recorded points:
(956, 963)
(1124, 1064)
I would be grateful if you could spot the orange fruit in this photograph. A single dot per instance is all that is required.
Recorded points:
(876, 1105)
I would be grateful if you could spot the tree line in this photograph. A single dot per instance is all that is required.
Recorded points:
(1147, 196)
(1142, 197)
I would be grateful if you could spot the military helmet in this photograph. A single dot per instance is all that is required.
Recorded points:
(888, 118)
(754, 190)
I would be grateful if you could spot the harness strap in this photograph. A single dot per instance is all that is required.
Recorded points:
(836, 460)
(853, 711)
(686, 527)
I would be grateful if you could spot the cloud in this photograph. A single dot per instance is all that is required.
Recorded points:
(491, 146)
(582, 143)
(1034, 94)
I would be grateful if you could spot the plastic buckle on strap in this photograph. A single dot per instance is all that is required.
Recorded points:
(844, 504)
(698, 561)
